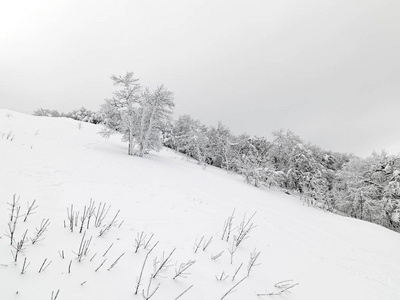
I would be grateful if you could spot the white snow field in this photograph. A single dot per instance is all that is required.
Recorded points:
(59, 162)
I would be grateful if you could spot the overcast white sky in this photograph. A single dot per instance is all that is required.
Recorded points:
(328, 70)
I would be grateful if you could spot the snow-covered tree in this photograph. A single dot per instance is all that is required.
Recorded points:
(190, 138)
(42, 112)
(304, 167)
(355, 194)
(138, 115)
(290, 156)
(369, 189)
(156, 109)
(121, 112)
(250, 158)
(168, 134)
(219, 144)
(84, 115)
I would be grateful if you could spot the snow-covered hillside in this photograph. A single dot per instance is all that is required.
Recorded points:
(59, 162)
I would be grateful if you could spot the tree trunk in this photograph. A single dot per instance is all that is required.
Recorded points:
(131, 142)
(145, 141)
(141, 133)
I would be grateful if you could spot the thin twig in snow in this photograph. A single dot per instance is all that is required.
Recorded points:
(217, 255)
(141, 272)
(43, 267)
(43, 227)
(149, 293)
(184, 292)
(163, 264)
(108, 249)
(54, 297)
(31, 208)
(180, 272)
(227, 229)
(207, 243)
(115, 262)
(25, 266)
(285, 286)
(100, 265)
(252, 262)
(197, 245)
(237, 270)
(244, 229)
(148, 242)
(231, 290)
(221, 277)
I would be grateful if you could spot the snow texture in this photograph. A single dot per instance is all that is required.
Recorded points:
(59, 163)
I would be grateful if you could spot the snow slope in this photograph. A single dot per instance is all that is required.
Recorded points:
(58, 163)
